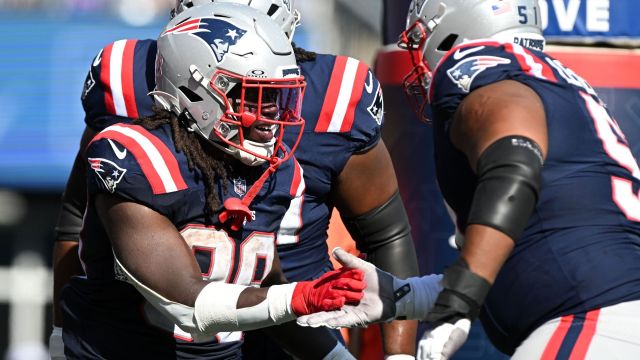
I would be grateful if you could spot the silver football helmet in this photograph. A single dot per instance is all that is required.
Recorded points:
(281, 11)
(231, 72)
(436, 26)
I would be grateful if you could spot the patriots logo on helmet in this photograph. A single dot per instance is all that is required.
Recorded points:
(219, 34)
(108, 172)
(465, 71)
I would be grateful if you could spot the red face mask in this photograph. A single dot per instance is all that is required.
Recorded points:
(416, 83)
(261, 110)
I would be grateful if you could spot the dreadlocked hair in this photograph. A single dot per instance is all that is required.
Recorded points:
(303, 55)
(199, 152)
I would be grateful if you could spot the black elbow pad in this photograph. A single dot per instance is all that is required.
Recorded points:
(69, 222)
(74, 201)
(384, 234)
(509, 177)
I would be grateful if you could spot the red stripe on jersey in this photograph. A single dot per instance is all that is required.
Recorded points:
(168, 157)
(547, 73)
(521, 60)
(128, 88)
(546, 69)
(105, 77)
(331, 97)
(553, 346)
(356, 95)
(146, 164)
(182, 337)
(586, 335)
(295, 183)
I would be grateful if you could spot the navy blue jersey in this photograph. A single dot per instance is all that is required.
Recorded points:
(343, 113)
(118, 83)
(581, 247)
(143, 166)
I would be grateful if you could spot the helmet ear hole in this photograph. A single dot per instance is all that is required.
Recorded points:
(192, 96)
(448, 42)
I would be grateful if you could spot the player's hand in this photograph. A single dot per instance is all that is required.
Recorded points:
(443, 340)
(331, 291)
(385, 297)
(377, 304)
(56, 346)
(456, 307)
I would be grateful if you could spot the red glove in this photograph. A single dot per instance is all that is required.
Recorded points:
(329, 292)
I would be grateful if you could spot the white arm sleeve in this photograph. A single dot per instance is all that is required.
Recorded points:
(420, 299)
(215, 308)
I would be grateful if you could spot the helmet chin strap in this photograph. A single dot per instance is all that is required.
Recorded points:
(236, 211)
(163, 99)
(264, 149)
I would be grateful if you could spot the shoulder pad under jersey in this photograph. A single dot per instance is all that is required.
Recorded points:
(479, 63)
(133, 163)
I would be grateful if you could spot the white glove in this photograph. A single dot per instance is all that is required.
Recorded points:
(385, 298)
(56, 346)
(443, 341)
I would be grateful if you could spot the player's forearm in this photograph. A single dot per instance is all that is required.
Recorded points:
(218, 306)
(398, 337)
(467, 282)
(66, 264)
(485, 250)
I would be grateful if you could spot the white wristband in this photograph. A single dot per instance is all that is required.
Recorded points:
(216, 309)
(56, 345)
(399, 357)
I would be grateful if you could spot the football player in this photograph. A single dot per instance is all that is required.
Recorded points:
(184, 206)
(344, 161)
(543, 185)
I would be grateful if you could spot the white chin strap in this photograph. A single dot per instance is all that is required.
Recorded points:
(263, 149)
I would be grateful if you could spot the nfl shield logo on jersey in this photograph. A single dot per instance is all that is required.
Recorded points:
(240, 186)
(108, 172)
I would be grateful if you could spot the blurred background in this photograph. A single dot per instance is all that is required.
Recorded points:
(46, 47)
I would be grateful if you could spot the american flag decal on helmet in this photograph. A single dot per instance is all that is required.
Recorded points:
(219, 34)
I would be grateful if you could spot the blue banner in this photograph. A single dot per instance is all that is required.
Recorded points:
(611, 21)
